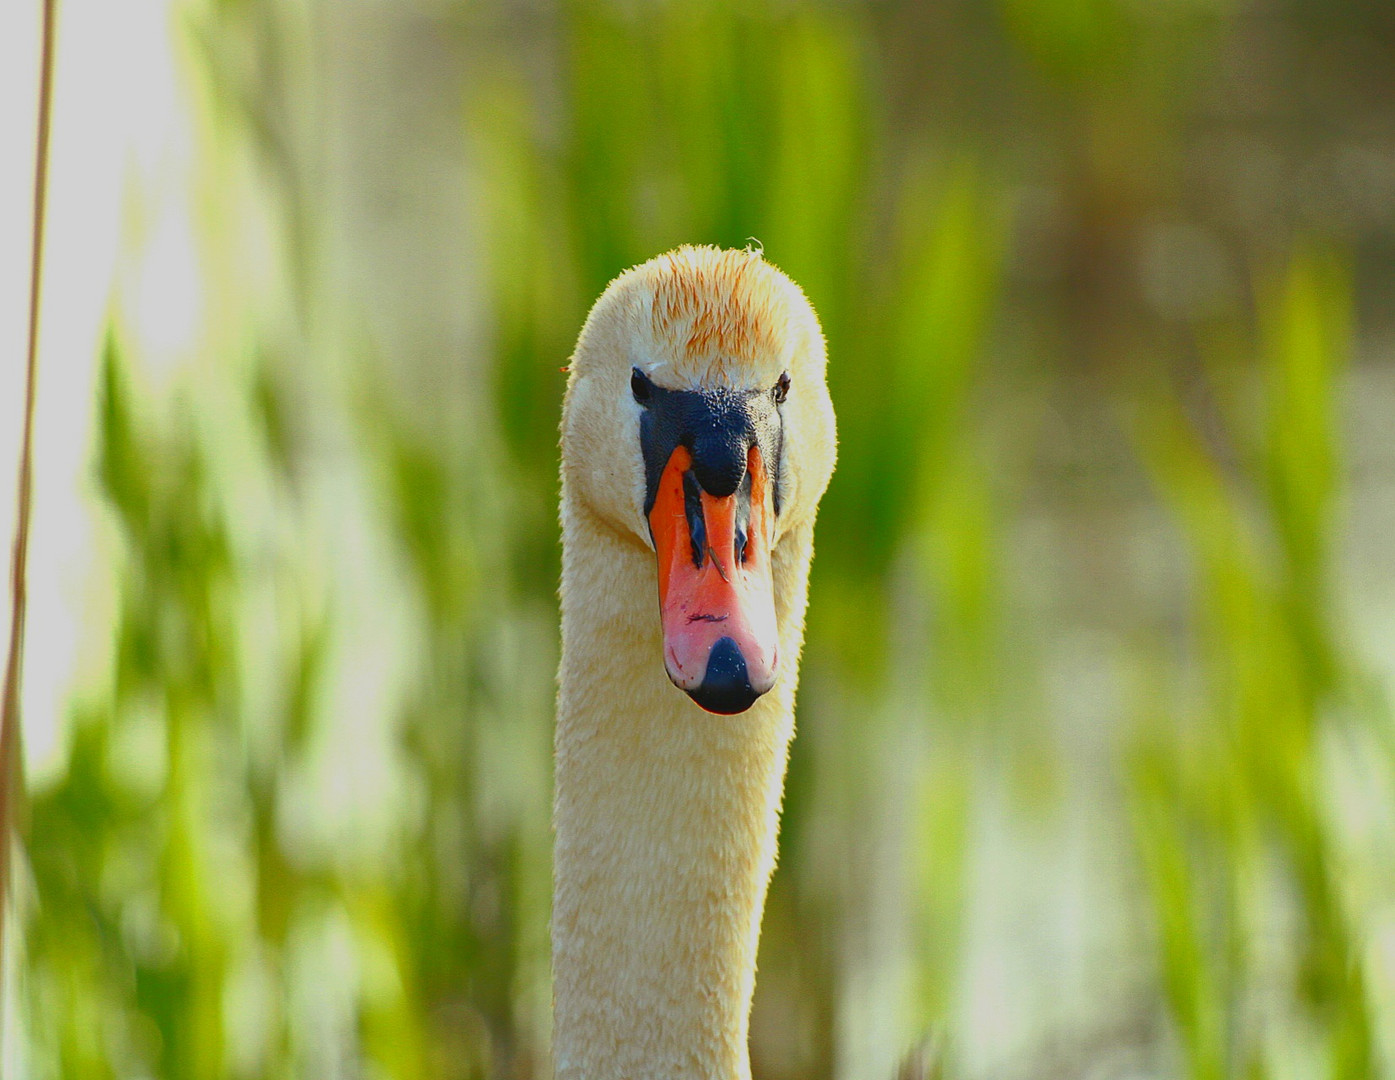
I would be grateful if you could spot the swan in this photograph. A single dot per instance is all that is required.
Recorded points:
(697, 438)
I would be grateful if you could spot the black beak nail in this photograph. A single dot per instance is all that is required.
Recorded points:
(726, 686)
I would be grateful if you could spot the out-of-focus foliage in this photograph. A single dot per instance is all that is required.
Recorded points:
(1241, 787)
(1093, 775)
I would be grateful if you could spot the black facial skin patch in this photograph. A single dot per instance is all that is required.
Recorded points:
(717, 426)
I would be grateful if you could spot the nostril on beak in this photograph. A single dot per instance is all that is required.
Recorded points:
(726, 687)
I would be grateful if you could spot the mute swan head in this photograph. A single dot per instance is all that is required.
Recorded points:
(698, 424)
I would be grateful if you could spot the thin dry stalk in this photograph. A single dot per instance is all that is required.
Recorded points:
(11, 776)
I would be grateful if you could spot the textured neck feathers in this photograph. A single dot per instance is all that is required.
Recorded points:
(666, 821)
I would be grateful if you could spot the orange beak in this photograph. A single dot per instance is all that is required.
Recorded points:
(716, 589)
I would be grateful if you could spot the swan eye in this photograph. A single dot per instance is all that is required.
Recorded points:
(782, 387)
(640, 385)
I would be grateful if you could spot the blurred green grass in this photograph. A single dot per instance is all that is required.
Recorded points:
(234, 877)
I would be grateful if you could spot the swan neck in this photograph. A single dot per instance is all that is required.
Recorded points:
(666, 820)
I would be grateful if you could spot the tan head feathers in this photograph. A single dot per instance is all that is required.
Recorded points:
(702, 315)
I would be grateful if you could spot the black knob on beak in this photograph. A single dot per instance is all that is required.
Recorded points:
(719, 461)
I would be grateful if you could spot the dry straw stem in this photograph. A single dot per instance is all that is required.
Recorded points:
(11, 777)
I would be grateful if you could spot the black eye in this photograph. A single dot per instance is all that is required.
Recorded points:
(640, 385)
(782, 387)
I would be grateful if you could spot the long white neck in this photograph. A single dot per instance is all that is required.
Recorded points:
(666, 820)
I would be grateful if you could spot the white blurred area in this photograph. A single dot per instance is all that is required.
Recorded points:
(120, 243)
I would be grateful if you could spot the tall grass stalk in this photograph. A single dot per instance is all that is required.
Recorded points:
(11, 770)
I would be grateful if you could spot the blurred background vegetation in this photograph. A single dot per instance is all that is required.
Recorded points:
(1095, 773)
